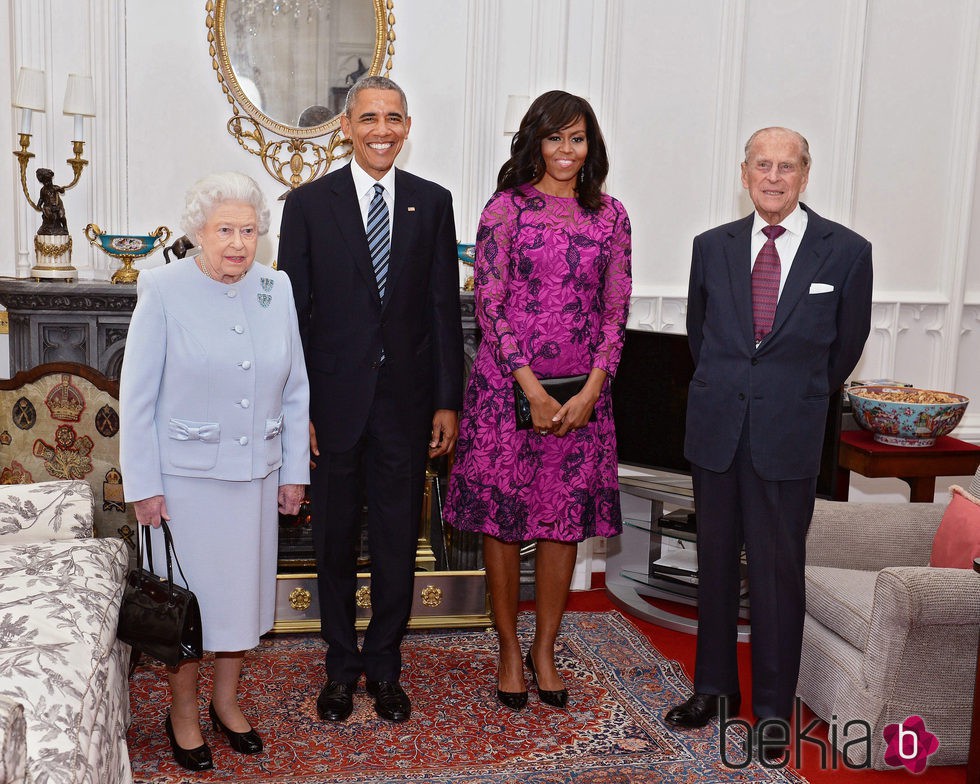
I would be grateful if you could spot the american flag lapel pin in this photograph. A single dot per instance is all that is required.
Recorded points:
(411, 209)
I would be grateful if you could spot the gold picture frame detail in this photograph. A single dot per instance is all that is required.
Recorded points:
(293, 159)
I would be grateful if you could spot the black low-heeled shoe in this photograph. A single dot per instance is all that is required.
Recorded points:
(243, 742)
(556, 699)
(515, 700)
(192, 759)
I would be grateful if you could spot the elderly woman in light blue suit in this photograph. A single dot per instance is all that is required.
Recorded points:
(214, 405)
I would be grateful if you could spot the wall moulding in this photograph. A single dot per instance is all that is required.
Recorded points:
(728, 100)
(481, 104)
(847, 115)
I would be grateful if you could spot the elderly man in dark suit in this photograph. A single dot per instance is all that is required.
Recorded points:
(371, 253)
(779, 308)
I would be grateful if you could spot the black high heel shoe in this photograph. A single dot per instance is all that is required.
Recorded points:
(556, 699)
(192, 759)
(515, 700)
(243, 742)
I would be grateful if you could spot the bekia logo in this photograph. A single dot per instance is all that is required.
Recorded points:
(909, 744)
(847, 744)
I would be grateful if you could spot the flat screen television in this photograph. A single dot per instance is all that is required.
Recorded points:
(650, 400)
(650, 406)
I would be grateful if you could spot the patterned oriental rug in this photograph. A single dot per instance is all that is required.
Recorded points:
(458, 734)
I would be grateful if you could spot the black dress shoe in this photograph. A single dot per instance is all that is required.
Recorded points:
(699, 709)
(774, 742)
(192, 759)
(336, 701)
(556, 699)
(390, 700)
(515, 700)
(247, 742)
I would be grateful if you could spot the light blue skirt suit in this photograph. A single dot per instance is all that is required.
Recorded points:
(214, 410)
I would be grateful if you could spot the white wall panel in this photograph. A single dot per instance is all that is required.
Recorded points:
(177, 122)
(791, 78)
(903, 195)
(664, 158)
(972, 281)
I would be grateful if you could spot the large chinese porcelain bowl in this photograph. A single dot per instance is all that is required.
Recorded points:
(905, 416)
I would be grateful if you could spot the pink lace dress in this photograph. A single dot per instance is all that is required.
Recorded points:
(552, 286)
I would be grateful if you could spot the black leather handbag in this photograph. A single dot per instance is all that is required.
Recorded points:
(561, 389)
(159, 617)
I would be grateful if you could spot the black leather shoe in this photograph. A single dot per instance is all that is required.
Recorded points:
(774, 742)
(191, 759)
(699, 709)
(515, 700)
(390, 700)
(556, 699)
(336, 701)
(247, 742)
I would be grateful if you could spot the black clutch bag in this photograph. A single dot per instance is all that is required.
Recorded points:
(561, 389)
(159, 617)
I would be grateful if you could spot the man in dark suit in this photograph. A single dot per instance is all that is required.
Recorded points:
(775, 326)
(371, 253)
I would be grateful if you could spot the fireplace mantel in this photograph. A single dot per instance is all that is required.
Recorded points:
(83, 322)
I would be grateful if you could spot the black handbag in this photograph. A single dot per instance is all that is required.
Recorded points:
(159, 617)
(561, 389)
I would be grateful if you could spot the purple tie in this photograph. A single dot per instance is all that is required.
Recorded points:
(765, 284)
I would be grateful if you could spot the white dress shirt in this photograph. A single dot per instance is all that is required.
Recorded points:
(786, 244)
(364, 188)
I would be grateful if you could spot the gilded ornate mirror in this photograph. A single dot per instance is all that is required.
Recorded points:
(285, 67)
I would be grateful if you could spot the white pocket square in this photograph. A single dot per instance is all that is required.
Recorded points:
(820, 288)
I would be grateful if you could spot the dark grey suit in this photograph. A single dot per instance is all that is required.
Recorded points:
(755, 425)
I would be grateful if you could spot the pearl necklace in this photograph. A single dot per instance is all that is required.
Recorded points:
(207, 271)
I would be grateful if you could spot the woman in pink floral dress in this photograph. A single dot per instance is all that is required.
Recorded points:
(552, 290)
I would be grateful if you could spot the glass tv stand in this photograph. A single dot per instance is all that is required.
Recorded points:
(656, 555)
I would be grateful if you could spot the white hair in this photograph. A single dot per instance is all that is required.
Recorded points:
(207, 193)
(804, 144)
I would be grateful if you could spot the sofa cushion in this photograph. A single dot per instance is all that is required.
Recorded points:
(957, 540)
(44, 511)
(841, 599)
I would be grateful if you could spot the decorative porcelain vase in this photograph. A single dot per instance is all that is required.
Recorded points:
(126, 248)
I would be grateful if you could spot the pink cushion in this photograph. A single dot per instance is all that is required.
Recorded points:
(957, 540)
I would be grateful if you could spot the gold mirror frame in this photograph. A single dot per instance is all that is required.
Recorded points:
(292, 159)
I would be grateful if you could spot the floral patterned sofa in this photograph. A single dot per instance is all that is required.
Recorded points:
(64, 692)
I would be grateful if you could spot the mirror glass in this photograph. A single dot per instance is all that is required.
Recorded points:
(289, 63)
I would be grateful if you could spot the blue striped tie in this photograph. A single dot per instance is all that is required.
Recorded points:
(379, 237)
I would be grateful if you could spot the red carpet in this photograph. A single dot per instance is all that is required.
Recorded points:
(612, 732)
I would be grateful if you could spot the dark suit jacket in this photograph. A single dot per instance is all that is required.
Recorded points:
(342, 320)
(784, 385)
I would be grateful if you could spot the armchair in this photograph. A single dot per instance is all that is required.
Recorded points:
(886, 636)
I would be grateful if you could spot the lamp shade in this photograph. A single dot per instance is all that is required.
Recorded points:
(80, 96)
(516, 109)
(30, 89)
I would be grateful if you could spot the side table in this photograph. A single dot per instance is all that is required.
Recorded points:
(916, 466)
